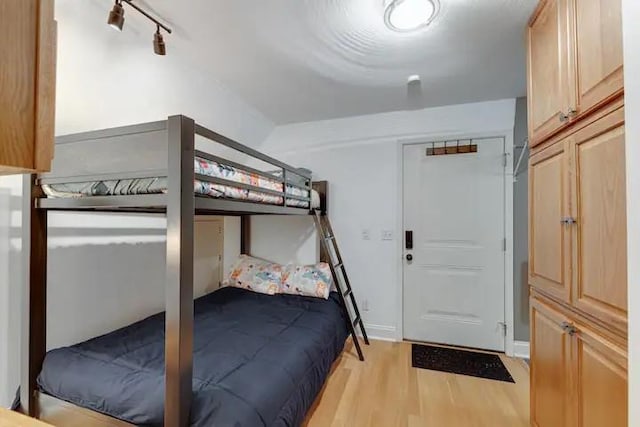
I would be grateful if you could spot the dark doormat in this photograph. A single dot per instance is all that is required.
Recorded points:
(461, 362)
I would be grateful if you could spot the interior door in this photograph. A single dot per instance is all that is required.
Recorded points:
(454, 212)
(549, 93)
(551, 365)
(208, 254)
(549, 227)
(600, 209)
(599, 51)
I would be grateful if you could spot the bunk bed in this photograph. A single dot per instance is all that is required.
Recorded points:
(161, 371)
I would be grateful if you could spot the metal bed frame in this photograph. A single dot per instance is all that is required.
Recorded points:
(167, 149)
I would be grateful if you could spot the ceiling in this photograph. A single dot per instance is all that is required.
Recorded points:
(306, 60)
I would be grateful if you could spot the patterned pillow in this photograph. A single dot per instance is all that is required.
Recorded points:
(307, 280)
(255, 275)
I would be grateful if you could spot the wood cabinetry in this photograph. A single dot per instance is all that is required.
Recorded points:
(577, 215)
(549, 242)
(548, 65)
(578, 376)
(27, 85)
(550, 372)
(600, 232)
(597, 43)
(575, 62)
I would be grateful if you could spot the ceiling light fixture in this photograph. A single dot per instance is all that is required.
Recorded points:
(410, 15)
(116, 20)
(116, 16)
(158, 43)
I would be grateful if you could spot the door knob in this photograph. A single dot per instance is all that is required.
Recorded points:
(409, 257)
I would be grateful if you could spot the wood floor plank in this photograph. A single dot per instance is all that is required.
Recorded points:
(385, 391)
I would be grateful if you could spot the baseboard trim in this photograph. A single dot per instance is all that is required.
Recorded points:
(380, 332)
(521, 349)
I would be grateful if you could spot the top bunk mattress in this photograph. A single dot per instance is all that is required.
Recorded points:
(158, 185)
(258, 360)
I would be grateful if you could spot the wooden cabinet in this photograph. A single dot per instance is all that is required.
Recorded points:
(577, 215)
(549, 237)
(575, 57)
(577, 226)
(550, 370)
(549, 91)
(601, 380)
(578, 376)
(599, 53)
(27, 85)
(600, 233)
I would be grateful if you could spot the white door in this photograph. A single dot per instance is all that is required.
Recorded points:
(454, 207)
(208, 254)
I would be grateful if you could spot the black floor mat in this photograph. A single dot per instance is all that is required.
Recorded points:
(461, 362)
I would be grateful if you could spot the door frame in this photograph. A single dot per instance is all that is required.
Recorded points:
(509, 309)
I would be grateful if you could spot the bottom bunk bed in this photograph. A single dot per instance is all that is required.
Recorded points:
(258, 360)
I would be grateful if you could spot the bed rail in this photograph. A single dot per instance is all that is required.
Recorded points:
(142, 151)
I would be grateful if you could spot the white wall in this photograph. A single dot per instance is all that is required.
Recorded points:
(521, 227)
(101, 278)
(359, 158)
(631, 14)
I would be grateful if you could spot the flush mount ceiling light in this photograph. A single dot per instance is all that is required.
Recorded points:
(116, 20)
(410, 15)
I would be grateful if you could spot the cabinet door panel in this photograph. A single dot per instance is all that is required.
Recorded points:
(548, 62)
(598, 29)
(600, 208)
(549, 239)
(550, 367)
(601, 379)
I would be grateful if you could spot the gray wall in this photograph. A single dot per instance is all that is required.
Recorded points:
(520, 226)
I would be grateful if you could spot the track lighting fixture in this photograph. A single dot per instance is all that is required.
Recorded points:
(116, 20)
(158, 44)
(116, 16)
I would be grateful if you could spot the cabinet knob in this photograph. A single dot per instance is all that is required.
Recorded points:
(571, 113)
(568, 221)
(563, 117)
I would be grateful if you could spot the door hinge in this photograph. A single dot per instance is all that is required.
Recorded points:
(504, 159)
(504, 244)
(503, 326)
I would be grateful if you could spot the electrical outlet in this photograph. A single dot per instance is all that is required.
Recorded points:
(387, 234)
(366, 234)
(365, 305)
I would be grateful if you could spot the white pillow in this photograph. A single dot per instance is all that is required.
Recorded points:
(307, 280)
(255, 275)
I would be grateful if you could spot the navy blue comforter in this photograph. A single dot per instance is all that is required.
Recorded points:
(259, 360)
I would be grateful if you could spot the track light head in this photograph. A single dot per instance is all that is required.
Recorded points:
(116, 16)
(158, 44)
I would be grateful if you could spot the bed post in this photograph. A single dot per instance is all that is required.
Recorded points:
(245, 234)
(34, 294)
(179, 287)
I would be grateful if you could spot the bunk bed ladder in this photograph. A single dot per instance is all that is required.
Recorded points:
(343, 286)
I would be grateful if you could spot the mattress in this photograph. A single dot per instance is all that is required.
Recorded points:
(156, 185)
(258, 360)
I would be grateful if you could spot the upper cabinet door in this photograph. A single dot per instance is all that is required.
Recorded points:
(599, 206)
(599, 56)
(549, 94)
(549, 234)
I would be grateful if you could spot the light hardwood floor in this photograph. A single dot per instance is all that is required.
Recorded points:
(385, 391)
